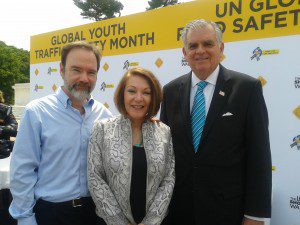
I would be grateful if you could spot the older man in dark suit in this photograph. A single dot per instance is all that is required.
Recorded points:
(219, 125)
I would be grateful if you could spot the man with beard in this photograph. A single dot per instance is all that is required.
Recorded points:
(49, 161)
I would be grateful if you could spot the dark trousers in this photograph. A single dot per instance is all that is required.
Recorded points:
(5, 200)
(67, 213)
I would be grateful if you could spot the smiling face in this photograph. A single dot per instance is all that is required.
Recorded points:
(80, 73)
(137, 98)
(203, 52)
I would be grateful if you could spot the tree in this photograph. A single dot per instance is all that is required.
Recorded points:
(14, 68)
(99, 9)
(153, 4)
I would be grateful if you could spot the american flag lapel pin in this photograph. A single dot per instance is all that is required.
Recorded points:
(222, 93)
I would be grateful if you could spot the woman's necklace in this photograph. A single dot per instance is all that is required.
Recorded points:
(141, 141)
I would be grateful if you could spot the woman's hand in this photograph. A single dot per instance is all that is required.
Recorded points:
(157, 121)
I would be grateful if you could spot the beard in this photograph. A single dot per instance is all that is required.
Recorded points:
(79, 95)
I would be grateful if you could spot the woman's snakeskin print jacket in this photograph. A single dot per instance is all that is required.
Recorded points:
(109, 170)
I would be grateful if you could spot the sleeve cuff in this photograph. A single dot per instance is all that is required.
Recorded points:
(27, 220)
(257, 218)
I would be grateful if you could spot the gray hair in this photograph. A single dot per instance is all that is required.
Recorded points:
(198, 24)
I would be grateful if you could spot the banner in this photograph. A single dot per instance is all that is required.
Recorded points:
(161, 29)
(261, 39)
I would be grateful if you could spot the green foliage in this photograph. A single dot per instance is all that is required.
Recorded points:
(153, 4)
(14, 68)
(99, 9)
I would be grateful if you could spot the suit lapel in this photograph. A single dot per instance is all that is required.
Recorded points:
(220, 96)
(184, 92)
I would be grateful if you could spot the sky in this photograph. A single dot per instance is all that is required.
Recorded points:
(20, 19)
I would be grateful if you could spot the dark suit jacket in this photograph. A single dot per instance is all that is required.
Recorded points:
(231, 173)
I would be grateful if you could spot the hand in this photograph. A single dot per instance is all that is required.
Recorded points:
(157, 121)
(248, 221)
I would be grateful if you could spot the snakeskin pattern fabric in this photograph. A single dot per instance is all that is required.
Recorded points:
(109, 170)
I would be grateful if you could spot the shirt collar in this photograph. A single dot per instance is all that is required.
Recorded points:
(65, 100)
(211, 79)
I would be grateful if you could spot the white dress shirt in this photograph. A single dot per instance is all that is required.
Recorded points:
(208, 90)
